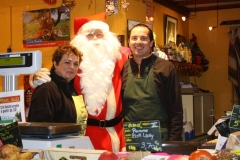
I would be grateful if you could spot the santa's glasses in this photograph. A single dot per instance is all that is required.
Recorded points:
(96, 34)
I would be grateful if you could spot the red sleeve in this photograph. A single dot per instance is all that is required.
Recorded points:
(77, 83)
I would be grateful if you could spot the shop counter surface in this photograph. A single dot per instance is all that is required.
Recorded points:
(179, 147)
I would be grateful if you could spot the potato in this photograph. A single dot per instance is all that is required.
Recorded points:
(9, 149)
(26, 156)
(13, 156)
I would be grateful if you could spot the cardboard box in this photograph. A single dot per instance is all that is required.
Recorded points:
(71, 154)
(78, 142)
(233, 141)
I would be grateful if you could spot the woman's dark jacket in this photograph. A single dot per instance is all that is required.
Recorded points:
(53, 102)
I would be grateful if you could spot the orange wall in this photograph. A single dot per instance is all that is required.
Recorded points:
(11, 13)
(214, 44)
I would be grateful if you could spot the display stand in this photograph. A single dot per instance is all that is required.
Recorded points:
(12, 100)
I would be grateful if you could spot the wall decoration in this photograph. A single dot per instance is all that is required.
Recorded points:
(51, 2)
(89, 5)
(67, 5)
(125, 5)
(170, 29)
(111, 7)
(46, 27)
(149, 10)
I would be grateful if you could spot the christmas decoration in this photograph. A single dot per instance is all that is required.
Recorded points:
(197, 54)
(110, 8)
(125, 5)
(67, 5)
(89, 5)
(51, 2)
(151, 19)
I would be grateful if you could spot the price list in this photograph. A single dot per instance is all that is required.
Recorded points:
(143, 136)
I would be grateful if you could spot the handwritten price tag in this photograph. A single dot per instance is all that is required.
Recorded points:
(10, 134)
(143, 136)
(234, 123)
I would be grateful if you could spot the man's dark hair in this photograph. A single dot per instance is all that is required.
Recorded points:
(150, 32)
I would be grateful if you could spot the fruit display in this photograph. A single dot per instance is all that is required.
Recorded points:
(12, 152)
(108, 156)
(227, 154)
(201, 154)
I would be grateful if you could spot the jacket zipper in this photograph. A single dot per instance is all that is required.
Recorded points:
(139, 66)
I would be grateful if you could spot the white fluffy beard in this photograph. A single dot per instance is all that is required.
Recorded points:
(97, 66)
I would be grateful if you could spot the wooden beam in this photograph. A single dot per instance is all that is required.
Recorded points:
(230, 6)
(173, 6)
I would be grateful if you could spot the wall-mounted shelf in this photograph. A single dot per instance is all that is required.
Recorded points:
(231, 23)
(188, 69)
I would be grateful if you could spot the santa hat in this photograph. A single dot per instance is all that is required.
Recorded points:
(85, 24)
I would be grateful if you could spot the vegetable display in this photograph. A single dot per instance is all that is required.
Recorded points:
(12, 152)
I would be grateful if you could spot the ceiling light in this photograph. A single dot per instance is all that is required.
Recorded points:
(190, 16)
(211, 28)
(183, 18)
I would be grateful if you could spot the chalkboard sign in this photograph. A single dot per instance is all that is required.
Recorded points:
(234, 123)
(143, 136)
(10, 134)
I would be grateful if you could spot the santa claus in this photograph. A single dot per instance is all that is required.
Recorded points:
(99, 81)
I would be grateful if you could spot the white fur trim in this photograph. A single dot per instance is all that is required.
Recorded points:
(111, 104)
(111, 111)
(114, 138)
(91, 25)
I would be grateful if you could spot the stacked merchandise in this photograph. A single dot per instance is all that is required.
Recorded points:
(227, 130)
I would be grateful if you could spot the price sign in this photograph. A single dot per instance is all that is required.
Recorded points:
(143, 136)
(10, 134)
(234, 123)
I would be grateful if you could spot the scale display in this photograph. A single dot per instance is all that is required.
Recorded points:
(12, 61)
(16, 63)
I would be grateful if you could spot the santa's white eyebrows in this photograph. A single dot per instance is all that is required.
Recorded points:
(91, 31)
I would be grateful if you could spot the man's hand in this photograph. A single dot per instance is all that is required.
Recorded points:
(39, 78)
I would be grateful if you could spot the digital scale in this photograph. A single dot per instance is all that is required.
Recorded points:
(15, 63)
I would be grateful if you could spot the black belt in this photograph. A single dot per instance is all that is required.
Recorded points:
(105, 123)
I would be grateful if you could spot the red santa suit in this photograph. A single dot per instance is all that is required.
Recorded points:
(105, 128)
(100, 137)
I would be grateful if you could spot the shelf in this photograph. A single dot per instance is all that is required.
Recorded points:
(188, 69)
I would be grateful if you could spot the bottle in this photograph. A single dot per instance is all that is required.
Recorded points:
(185, 52)
(174, 54)
(189, 56)
(181, 53)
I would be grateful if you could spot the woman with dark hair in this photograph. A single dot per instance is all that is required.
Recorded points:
(57, 100)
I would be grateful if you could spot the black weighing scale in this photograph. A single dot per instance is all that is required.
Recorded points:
(48, 130)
